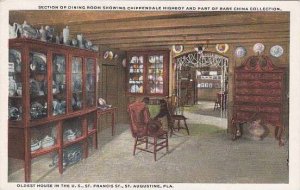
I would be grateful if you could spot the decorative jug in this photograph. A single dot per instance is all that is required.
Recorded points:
(13, 30)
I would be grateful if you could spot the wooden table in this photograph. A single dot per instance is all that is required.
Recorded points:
(112, 112)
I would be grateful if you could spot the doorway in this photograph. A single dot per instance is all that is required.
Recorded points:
(202, 85)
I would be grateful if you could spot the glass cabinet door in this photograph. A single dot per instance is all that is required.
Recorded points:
(58, 84)
(38, 85)
(90, 84)
(15, 85)
(155, 74)
(136, 77)
(76, 83)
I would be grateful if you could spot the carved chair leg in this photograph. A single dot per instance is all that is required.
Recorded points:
(279, 135)
(155, 144)
(146, 142)
(234, 131)
(135, 143)
(276, 132)
(167, 143)
(187, 129)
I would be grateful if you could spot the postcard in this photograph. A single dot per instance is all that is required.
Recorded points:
(107, 95)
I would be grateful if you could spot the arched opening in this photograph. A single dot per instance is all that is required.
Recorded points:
(202, 83)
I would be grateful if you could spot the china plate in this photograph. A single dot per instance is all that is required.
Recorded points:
(222, 48)
(276, 51)
(38, 62)
(152, 59)
(34, 87)
(177, 48)
(258, 48)
(101, 102)
(240, 52)
(14, 56)
(124, 62)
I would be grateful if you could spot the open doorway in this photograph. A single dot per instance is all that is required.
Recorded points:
(202, 86)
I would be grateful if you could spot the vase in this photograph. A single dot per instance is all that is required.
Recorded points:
(66, 35)
(43, 34)
(257, 130)
(80, 41)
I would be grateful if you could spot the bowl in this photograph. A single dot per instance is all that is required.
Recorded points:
(35, 145)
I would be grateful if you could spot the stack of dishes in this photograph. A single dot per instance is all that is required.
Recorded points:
(35, 145)
(47, 141)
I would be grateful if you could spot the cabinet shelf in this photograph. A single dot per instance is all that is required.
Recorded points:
(68, 143)
(92, 132)
(43, 151)
(15, 97)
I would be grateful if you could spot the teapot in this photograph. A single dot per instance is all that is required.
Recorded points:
(14, 30)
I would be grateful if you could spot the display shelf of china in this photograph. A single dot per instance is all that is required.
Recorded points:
(155, 72)
(38, 85)
(47, 83)
(59, 84)
(146, 72)
(15, 85)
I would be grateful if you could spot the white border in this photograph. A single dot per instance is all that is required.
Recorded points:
(292, 6)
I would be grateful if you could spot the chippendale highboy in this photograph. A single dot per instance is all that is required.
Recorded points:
(259, 92)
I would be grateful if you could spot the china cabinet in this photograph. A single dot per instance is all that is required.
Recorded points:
(147, 73)
(259, 94)
(52, 101)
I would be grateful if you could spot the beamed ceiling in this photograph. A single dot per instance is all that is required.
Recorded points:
(126, 30)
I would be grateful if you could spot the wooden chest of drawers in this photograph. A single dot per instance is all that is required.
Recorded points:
(258, 92)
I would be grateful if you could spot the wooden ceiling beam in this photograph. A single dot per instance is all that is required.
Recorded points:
(193, 38)
(219, 20)
(190, 31)
(228, 41)
(37, 17)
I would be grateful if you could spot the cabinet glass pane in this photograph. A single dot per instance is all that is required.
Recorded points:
(136, 77)
(38, 85)
(90, 84)
(59, 84)
(15, 85)
(155, 74)
(76, 83)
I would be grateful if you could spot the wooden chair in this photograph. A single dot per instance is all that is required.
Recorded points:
(221, 101)
(139, 125)
(176, 118)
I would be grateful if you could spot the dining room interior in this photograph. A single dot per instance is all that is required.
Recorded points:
(74, 74)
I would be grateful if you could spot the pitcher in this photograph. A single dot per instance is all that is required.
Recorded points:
(13, 30)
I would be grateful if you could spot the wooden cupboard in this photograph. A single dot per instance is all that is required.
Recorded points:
(52, 100)
(147, 73)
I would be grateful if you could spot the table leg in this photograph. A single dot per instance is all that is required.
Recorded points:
(113, 123)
